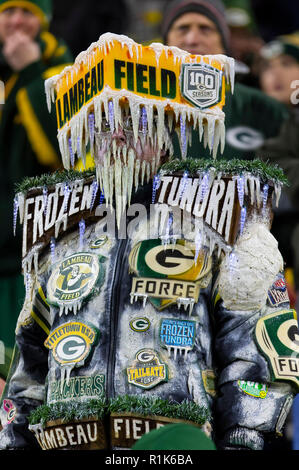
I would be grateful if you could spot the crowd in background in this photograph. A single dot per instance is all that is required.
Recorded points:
(265, 44)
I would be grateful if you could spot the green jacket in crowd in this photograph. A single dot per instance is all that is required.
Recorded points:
(251, 117)
(28, 147)
(283, 150)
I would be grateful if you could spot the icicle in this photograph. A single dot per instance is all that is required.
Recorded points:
(205, 184)
(131, 165)
(156, 184)
(198, 245)
(265, 196)
(91, 127)
(95, 187)
(15, 214)
(183, 137)
(102, 197)
(111, 116)
(72, 155)
(82, 227)
(243, 219)
(53, 248)
(143, 119)
(45, 198)
(66, 191)
(241, 189)
(28, 284)
(184, 182)
(137, 172)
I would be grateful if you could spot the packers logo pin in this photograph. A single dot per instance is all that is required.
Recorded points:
(201, 85)
(147, 370)
(74, 280)
(140, 325)
(71, 343)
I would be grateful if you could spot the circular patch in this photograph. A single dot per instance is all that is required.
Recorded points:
(73, 280)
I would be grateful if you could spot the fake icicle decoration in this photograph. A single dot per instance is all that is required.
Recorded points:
(15, 214)
(243, 219)
(95, 187)
(156, 184)
(52, 249)
(241, 189)
(82, 227)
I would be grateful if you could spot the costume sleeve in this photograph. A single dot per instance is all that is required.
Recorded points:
(255, 349)
(25, 387)
(40, 125)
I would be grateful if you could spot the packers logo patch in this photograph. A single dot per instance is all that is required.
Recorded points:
(74, 280)
(71, 343)
(278, 337)
(140, 325)
(201, 85)
(147, 371)
(167, 274)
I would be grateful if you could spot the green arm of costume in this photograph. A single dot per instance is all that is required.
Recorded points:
(40, 125)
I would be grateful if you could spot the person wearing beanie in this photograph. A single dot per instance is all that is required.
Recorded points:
(280, 67)
(279, 78)
(209, 20)
(28, 145)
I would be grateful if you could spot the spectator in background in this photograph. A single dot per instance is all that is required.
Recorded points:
(82, 23)
(245, 39)
(200, 27)
(279, 77)
(28, 144)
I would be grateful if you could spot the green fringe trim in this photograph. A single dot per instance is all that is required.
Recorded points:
(50, 179)
(145, 406)
(263, 170)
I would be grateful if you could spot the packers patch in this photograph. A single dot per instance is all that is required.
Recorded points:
(71, 344)
(76, 388)
(278, 293)
(74, 280)
(140, 325)
(277, 335)
(253, 389)
(167, 275)
(177, 335)
(147, 371)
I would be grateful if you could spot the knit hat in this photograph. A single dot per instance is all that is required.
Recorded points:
(175, 437)
(41, 8)
(239, 14)
(288, 45)
(212, 9)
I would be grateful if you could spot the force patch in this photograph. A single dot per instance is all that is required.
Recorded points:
(167, 275)
(201, 85)
(178, 335)
(75, 280)
(253, 389)
(277, 335)
(278, 293)
(147, 370)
